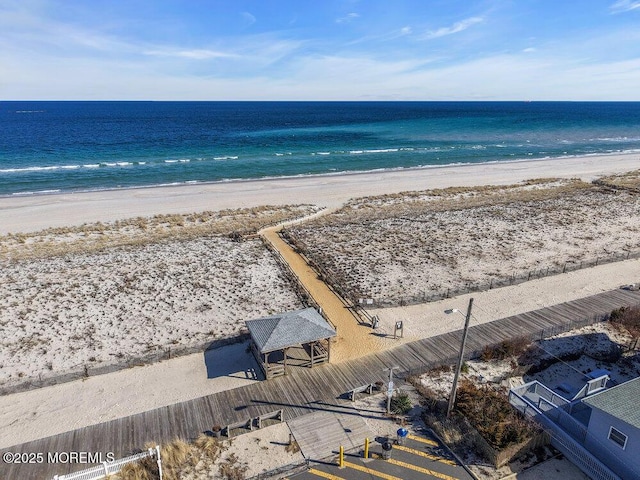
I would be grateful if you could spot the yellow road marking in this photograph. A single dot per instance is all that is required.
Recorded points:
(426, 471)
(424, 454)
(370, 471)
(324, 475)
(423, 440)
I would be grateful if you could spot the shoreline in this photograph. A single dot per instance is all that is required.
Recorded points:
(269, 178)
(29, 213)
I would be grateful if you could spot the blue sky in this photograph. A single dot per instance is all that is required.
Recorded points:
(320, 50)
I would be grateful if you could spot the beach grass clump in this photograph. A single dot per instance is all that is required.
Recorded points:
(205, 457)
(210, 446)
(628, 180)
(136, 471)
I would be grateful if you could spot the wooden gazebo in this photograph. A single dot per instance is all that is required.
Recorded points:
(300, 338)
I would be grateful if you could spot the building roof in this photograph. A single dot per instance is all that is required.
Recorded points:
(620, 401)
(287, 329)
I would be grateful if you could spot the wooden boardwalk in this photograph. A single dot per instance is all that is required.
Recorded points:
(304, 390)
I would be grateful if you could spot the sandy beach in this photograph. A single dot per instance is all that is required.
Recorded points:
(32, 213)
(123, 298)
(77, 299)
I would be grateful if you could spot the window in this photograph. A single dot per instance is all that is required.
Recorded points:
(616, 436)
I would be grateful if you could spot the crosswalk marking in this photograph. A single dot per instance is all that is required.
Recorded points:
(424, 454)
(322, 474)
(426, 471)
(370, 471)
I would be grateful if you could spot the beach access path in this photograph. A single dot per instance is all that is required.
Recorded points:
(304, 390)
(352, 339)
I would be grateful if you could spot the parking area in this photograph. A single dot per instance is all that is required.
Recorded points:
(419, 457)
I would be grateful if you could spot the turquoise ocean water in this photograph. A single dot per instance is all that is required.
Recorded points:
(48, 147)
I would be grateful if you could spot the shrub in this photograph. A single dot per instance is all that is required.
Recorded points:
(505, 349)
(491, 415)
(628, 317)
(401, 404)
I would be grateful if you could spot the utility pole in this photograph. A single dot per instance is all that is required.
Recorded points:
(452, 397)
(390, 387)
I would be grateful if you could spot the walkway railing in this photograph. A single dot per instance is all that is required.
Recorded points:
(560, 439)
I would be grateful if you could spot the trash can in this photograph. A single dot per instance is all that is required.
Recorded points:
(402, 435)
(386, 450)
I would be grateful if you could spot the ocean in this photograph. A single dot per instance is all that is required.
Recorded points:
(48, 147)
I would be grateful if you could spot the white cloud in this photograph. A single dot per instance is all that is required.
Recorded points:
(194, 54)
(248, 18)
(347, 18)
(529, 50)
(455, 28)
(501, 77)
(625, 6)
(406, 30)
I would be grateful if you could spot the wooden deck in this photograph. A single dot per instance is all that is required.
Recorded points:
(305, 390)
(319, 434)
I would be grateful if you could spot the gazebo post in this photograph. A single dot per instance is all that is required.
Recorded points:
(266, 364)
(312, 349)
(285, 359)
(328, 350)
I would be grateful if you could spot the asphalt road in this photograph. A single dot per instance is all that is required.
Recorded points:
(420, 457)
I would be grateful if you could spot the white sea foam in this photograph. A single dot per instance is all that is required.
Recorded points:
(29, 169)
(229, 157)
(382, 150)
(616, 139)
(37, 192)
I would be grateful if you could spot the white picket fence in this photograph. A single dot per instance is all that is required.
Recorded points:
(109, 468)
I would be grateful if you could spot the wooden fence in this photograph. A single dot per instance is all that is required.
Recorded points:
(303, 294)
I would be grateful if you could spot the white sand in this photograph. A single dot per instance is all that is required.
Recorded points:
(61, 314)
(406, 248)
(428, 319)
(32, 213)
(47, 411)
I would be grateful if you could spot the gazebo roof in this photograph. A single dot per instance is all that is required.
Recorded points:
(288, 329)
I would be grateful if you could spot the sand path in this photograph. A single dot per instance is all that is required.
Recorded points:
(353, 340)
